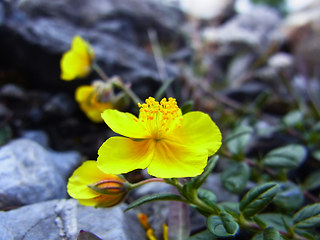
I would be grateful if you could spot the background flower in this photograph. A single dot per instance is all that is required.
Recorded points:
(89, 103)
(77, 61)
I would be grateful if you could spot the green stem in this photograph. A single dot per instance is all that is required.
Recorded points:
(128, 91)
(192, 198)
(132, 186)
(100, 72)
(163, 88)
(118, 83)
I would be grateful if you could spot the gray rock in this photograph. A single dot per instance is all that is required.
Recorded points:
(32, 174)
(281, 61)
(60, 105)
(246, 29)
(63, 219)
(12, 91)
(38, 136)
(213, 183)
(44, 30)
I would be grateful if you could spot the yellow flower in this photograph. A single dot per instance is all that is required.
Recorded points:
(167, 143)
(109, 188)
(77, 61)
(87, 98)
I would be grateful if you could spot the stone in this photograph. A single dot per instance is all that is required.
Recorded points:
(60, 105)
(37, 136)
(209, 9)
(245, 30)
(63, 219)
(31, 174)
(301, 31)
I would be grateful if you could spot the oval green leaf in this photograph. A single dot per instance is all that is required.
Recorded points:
(205, 235)
(223, 225)
(207, 196)
(312, 181)
(289, 197)
(235, 177)
(271, 234)
(290, 156)
(308, 217)
(258, 198)
(238, 139)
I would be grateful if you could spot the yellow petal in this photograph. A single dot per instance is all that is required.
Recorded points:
(77, 61)
(125, 124)
(199, 131)
(174, 160)
(121, 155)
(74, 65)
(82, 93)
(82, 47)
(87, 173)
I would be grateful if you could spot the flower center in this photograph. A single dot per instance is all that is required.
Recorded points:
(160, 118)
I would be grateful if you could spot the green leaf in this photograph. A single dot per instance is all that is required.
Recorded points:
(207, 196)
(308, 217)
(223, 225)
(312, 181)
(84, 235)
(235, 177)
(290, 156)
(289, 198)
(205, 235)
(271, 234)
(316, 155)
(258, 236)
(154, 197)
(231, 207)
(239, 139)
(196, 182)
(276, 220)
(293, 118)
(258, 198)
(5, 134)
(308, 233)
(260, 223)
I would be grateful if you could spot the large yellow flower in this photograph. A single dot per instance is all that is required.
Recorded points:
(77, 61)
(167, 143)
(89, 174)
(87, 97)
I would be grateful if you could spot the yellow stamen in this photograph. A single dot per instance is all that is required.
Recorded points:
(160, 117)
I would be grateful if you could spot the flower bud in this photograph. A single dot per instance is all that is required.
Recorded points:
(92, 187)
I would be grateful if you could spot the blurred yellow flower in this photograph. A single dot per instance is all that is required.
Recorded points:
(167, 143)
(144, 221)
(77, 61)
(109, 188)
(88, 100)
